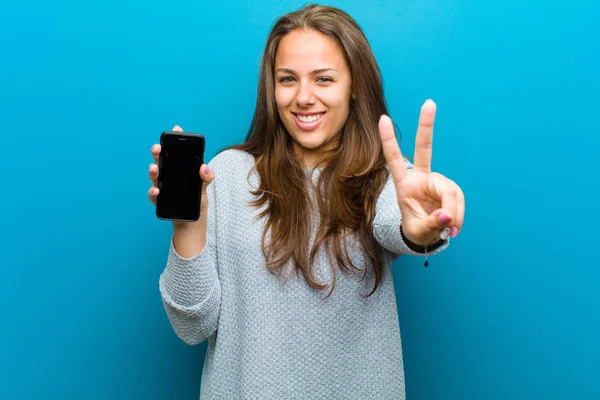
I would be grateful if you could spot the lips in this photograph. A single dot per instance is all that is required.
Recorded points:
(308, 122)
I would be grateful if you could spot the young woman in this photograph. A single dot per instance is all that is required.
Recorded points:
(287, 272)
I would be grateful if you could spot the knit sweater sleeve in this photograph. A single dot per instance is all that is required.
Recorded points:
(386, 225)
(190, 288)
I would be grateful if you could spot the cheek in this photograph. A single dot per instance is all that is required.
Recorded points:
(338, 108)
(283, 96)
(336, 100)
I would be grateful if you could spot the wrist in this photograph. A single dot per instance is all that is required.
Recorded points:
(186, 228)
(420, 248)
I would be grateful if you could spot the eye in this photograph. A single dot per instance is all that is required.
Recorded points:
(286, 79)
(324, 79)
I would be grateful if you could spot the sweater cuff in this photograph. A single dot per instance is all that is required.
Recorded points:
(189, 281)
(419, 250)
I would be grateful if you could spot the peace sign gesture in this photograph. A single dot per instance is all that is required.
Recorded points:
(431, 204)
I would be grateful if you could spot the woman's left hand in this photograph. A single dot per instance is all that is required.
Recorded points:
(431, 204)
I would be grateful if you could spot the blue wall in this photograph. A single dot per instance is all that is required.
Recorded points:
(510, 311)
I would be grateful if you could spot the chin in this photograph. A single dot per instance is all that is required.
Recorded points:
(309, 145)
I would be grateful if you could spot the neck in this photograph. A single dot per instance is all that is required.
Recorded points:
(311, 158)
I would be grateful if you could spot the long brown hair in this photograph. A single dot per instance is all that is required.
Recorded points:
(355, 170)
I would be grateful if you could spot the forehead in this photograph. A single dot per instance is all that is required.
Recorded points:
(304, 51)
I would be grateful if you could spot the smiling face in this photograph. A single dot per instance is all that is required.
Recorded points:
(312, 91)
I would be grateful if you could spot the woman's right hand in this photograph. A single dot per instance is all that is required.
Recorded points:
(205, 174)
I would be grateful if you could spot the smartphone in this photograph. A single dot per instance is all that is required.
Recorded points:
(179, 182)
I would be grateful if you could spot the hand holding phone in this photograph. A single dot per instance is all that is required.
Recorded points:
(178, 178)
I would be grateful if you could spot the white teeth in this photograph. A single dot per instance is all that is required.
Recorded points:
(310, 118)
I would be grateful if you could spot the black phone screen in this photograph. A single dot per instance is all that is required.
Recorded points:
(179, 182)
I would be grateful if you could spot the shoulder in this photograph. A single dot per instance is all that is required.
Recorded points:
(232, 160)
(234, 171)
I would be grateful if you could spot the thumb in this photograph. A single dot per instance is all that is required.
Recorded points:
(207, 175)
(439, 221)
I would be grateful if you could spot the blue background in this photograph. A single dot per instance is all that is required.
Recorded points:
(511, 310)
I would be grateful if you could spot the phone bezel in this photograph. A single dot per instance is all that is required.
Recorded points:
(194, 136)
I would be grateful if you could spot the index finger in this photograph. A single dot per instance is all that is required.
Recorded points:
(391, 149)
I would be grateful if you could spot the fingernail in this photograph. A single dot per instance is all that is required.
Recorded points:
(445, 233)
(454, 232)
(444, 218)
(206, 170)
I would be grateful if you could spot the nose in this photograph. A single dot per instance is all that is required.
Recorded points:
(305, 96)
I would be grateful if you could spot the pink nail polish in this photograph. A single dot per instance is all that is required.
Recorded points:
(206, 170)
(454, 232)
(444, 218)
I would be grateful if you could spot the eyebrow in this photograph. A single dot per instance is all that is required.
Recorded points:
(316, 71)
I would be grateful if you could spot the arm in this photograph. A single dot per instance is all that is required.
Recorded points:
(189, 285)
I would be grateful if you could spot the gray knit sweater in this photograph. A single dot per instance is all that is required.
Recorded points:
(274, 338)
